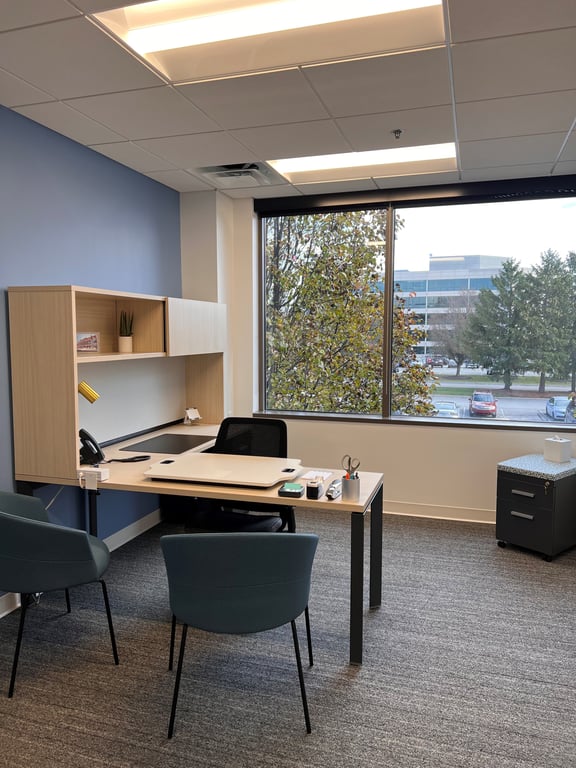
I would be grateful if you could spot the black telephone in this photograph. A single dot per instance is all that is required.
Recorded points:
(90, 451)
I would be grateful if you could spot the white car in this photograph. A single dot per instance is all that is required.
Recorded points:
(446, 409)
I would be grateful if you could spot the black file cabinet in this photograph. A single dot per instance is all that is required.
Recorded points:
(536, 504)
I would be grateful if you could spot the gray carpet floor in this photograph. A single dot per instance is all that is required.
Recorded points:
(469, 663)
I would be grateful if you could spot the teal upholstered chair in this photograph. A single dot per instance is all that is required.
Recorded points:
(37, 556)
(238, 583)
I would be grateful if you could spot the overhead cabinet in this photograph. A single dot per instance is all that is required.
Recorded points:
(56, 330)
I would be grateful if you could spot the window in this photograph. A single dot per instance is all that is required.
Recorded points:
(481, 300)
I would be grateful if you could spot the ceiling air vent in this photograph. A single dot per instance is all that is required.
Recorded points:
(240, 175)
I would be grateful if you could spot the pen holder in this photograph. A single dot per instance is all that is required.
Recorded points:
(350, 489)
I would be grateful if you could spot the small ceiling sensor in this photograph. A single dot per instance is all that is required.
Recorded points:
(397, 133)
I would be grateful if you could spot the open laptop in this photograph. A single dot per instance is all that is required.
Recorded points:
(225, 469)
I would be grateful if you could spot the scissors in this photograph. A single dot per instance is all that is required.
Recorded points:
(350, 465)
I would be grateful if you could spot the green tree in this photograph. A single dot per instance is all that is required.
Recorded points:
(496, 334)
(571, 318)
(549, 322)
(324, 305)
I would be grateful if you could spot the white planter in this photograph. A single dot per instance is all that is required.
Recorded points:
(125, 345)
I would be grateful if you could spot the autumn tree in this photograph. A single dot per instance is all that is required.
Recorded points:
(448, 328)
(325, 309)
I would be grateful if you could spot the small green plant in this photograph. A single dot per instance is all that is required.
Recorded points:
(126, 323)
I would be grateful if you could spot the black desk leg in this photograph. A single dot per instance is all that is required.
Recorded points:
(93, 512)
(356, 586)
(376, 550)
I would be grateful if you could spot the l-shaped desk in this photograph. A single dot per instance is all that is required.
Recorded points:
(130, 477)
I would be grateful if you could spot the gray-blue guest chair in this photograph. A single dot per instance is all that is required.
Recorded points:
(37, 556)
(238, 583)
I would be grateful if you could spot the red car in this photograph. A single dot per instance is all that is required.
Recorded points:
(483, 404)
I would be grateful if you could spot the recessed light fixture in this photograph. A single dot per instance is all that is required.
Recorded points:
(374, 163)
(184, 38)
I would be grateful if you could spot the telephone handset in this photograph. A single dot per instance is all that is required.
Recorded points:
(90, 451)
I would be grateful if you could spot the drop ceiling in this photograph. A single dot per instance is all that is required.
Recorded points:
(501, 84)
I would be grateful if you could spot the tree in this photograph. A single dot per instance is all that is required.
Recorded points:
(496, 334)
(571, 319)
(550, 318)
(448, 329)
(325, 313)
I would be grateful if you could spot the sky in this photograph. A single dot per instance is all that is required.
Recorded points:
(521, 230)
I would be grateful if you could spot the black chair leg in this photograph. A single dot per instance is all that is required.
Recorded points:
(68, 606)
(177, 681)
(24, 600)
(301, 676)
(109, 617)
(308, 636)
(172, 642)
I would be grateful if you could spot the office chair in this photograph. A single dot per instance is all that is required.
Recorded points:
(252, 437)
(37, 556)
(237, 583)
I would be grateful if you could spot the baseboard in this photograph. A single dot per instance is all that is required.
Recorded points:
(462, 514)
(8, 603)
(118, 539)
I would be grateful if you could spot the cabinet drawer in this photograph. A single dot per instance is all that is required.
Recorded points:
(522, 489)
(525, 525)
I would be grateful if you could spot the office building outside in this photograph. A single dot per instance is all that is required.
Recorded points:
(450, 284)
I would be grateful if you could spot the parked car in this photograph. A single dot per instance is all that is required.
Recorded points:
(446, 409)
(483, 404)
(556, 408)
(452, 363)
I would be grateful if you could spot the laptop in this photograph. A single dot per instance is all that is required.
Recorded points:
(226, 469)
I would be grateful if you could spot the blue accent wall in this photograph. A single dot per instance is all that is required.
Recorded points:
(69, 215)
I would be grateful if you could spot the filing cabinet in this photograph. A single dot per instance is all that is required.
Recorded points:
(536, 504)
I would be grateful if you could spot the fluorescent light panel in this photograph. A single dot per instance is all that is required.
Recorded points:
(165, 25)
(374, 163)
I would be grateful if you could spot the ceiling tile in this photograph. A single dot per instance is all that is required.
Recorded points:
(144, 114)
(199, 149)
(417, 180)
(266, 99)
(383, 83)
(532, 170)
(180, 180)
(471, 20)
(562, 168)
(274, 142)
(15, 92)
(97, 6)
(262, 192)
(72, 58)
(543, 148)
(569, 150)
(60, 118)
(334, 187)
(514, 66)
(516, 116)
(133, 156)
(433, 125)
(24, 13)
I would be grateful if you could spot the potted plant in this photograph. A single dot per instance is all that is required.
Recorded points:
(125, 332)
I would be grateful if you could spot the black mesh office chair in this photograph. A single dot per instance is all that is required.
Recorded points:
(251, 437)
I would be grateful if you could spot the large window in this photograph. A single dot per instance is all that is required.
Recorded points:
(481, 299)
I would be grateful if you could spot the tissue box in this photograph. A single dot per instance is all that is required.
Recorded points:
(557, 449)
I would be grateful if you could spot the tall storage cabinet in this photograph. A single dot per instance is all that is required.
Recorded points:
(46, 366)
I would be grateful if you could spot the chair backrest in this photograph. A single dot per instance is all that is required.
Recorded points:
(252, 436)
(237, 583)
(23, 506)
(36, 556)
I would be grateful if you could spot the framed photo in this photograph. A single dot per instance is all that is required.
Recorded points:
(88, 341)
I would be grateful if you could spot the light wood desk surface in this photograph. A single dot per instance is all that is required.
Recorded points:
(130, 477)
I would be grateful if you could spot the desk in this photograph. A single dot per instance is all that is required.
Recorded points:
(130, 477)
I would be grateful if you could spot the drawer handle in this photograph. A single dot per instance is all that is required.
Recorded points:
(521, 514)
(523, 493)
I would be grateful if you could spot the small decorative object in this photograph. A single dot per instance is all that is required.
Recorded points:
(191, 416)
(125, 332)
(88, 341)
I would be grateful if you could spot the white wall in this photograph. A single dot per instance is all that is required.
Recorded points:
(438, 471)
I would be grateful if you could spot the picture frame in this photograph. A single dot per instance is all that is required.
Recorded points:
(88, 341)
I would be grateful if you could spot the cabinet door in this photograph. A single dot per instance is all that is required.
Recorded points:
(195, 327)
